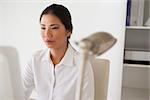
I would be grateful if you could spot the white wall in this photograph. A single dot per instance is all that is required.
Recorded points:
(1, 24)
(21, 30)
(21, 27)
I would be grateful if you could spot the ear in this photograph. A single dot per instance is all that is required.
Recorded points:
(68, 33)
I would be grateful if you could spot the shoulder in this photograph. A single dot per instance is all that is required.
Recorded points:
(38, 55)
(78, 57)
(76, 54)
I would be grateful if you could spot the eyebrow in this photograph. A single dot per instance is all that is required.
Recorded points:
(51, 25)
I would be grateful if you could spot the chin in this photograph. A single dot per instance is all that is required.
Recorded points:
(51, 46)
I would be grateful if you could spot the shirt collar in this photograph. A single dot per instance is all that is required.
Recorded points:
(67, 60)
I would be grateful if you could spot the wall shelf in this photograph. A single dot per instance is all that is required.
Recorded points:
(138, 27)
(136, 65)
(136, 83)
(137, 49)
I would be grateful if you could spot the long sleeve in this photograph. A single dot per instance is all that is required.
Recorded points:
(28, 80)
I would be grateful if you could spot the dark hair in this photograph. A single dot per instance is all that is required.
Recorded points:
(61, 12)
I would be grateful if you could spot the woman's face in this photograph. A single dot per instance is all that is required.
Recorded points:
(54, 33)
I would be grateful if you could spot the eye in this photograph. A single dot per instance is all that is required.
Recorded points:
(43, 28)
(55, 27)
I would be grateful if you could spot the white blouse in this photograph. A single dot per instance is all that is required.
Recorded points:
(57, 83)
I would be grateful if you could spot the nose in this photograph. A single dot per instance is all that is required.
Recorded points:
(48, 33)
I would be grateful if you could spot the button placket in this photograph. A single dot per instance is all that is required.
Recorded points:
(52, 80)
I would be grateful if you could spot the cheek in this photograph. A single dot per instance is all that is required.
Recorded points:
(42, 33)
(42, 36)
(61, 37)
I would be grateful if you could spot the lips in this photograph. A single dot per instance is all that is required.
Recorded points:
(49, 41)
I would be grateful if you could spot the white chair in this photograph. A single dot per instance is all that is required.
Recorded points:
(101, 76)
(10, 77)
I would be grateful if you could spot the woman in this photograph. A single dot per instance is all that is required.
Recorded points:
(53, 72)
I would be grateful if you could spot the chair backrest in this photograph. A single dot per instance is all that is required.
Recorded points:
(10, 77)
(101, 76)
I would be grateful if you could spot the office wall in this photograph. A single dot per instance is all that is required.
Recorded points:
(1, 24)
(21, 30)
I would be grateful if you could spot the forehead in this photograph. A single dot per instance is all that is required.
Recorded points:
(50, 19)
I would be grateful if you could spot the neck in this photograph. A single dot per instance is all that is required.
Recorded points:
(58, 53)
